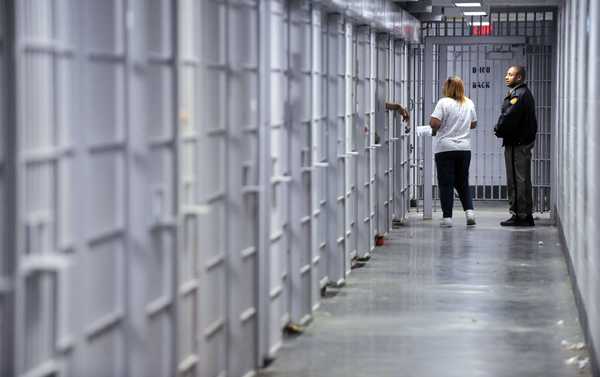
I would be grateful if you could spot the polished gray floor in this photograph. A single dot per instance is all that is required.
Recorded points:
(483, 301)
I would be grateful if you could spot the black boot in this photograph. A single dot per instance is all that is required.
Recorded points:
(528, 221)
(510, 222)
(517, 221)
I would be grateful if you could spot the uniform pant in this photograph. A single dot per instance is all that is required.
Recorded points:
(453, 173)
(518, 179)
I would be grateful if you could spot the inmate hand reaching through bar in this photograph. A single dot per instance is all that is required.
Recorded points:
(397, 107)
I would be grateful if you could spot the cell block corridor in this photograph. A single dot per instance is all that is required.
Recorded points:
(236, 188)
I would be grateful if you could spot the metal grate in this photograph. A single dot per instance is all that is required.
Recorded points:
(538, 27)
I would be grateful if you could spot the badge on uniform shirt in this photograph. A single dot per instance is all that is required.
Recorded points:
(514, 100)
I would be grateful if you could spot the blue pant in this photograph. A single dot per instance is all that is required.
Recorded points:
(453, 173)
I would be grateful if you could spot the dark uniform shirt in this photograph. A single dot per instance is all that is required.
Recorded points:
(517, 124)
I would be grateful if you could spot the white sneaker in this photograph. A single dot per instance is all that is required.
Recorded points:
(446, 222)
(470, 215)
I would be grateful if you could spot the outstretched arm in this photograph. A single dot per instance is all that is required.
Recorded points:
(397, 107)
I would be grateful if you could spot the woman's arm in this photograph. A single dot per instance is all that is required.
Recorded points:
(435, 124)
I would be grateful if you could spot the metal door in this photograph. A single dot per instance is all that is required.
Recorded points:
(350, 143)
(540, 62)
(373, 147)
(381, 131)
(319, 159)
(279, 135)
(337, 261)
(153, 182)
(243, 185)
(203, 81)
(362, 132)
(69, 244)
(303, 277)
(391, 141)
(105, 151)
(388, 45)
(218, 188)
(81, 230)
(416, 89)
(401, 138)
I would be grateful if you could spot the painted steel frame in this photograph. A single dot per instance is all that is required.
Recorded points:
(154, 165)
(318, 159)
(401, 138)
(415, 101)
(269, 337)
(372, 145)
(349, 152)
(391, 139)
(304, 277)
(382, 185)
(7, 190)
(362, 130)
(224, 146)
(43, 238)
(337, 261)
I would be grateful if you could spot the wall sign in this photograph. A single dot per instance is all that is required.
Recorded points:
(481, 84)
(482, 69)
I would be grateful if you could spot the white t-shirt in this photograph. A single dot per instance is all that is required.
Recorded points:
(455, 132)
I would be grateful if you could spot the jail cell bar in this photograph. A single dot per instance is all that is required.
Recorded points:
(488, 176)
(226, 174)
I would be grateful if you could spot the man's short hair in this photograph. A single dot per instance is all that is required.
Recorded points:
(520, 71)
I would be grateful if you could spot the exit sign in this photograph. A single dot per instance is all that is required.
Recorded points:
(481, 29)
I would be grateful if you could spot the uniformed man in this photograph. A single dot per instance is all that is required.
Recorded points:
(517, 127)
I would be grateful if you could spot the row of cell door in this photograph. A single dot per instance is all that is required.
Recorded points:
(130, 176)
(177, 189)
(339, 161)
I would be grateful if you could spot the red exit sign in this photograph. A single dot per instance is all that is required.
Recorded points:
(481, 29)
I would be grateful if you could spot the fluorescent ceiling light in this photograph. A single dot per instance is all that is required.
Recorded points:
(475, 13)
(467, 5)
(482, 23)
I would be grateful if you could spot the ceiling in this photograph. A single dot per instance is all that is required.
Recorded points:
(437, 9)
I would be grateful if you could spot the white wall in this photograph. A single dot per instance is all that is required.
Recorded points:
(576, 152)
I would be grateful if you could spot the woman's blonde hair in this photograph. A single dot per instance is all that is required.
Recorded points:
(454, 88)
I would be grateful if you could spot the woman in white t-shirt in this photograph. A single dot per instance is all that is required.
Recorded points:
(451, 123)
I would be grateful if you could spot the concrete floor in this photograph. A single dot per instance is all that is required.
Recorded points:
(483, 301)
